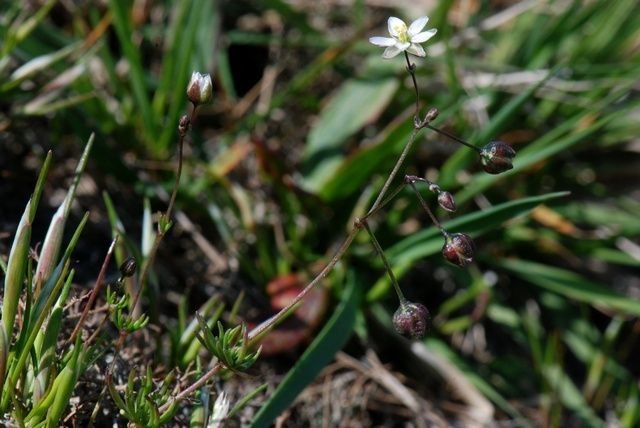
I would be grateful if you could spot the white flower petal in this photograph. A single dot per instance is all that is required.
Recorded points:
(417, 25)
(396, 26)
(382, 41)
(206, 88)
(391, 51)
(220, 411)
(416, 50)
(424, 36)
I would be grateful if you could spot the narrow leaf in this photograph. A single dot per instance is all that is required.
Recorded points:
(428, 242)
(329, 341)
(357, 103)
(571, 285)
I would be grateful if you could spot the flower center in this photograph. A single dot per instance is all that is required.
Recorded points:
(401, 30)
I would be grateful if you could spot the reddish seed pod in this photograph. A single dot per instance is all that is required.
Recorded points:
(183, 124)
(497, 157)
(458, 249)
(411, 320)
(446, 201)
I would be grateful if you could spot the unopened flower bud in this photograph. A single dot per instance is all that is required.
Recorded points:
(431, 114)
(411, 320)
(446, 201)
(458, 249)
(128, 267)
(497, 157)
(183, 125)
(200, 88)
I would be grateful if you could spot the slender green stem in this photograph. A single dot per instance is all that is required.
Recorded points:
(382, 204)
(182, 133)
(433, 187)
(394, 171)
(257, 331)
(193, 387)
(426, 207)
(453, 137)
(411, 68)
(385, 261)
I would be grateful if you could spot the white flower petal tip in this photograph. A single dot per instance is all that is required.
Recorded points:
(200, 88)
(417, 25)
(382, 41)
(424, 36)
(404, 38)
(416, 50)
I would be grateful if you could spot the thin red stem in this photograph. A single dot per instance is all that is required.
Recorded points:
(94, 292)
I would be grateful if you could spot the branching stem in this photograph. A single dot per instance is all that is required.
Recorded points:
(394, 172)
(424, 205)
(183, 129)
(411, 68)
(382, 200)
(387, 266)
(453, 137)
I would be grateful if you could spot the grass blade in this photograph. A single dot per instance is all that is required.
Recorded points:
(16, 266)
(344, 115)
(571, 285)
(124, 31)
(428, 242)
(329, 341)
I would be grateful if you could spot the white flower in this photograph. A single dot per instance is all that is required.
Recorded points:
(220, 411)
(403, 38)
(200, 88)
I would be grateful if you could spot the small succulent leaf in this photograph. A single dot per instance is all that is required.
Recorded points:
(246, 399)
(51, 331)
(115, 396)
(188, 334)
(30, 337)
(130, 383)
(205, 335)
(62, 393)
(46, 353)
(169, 413)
